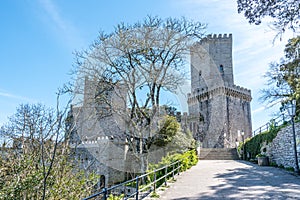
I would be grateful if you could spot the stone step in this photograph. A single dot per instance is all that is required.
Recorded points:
(218, 154)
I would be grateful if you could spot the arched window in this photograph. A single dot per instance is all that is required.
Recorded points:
(221, 68)
(102, 181)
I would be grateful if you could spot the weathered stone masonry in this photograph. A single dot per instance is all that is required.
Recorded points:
(217, 107)
(281, 149)
(98, 139)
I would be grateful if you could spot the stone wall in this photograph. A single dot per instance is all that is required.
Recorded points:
(217, 107)
(104, 156)
(98, 139)
(281, 150)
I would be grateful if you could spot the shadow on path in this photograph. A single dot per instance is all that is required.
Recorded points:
(236, 180)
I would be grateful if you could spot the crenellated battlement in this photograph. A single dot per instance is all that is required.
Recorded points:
(99, 140)
(242, 89)
(219, 36)
(235, 91)
(216, 37)
(236, 88)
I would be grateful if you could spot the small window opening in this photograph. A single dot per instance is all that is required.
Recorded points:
(221, 68)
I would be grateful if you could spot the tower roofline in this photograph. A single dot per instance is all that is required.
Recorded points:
(219, 36)
(236, 91)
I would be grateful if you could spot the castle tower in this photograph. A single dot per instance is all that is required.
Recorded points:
(97, 138)
(217, 107)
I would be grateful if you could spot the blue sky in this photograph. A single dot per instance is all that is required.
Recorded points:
(38, 38)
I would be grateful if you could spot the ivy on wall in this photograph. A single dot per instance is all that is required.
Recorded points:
(253, 145)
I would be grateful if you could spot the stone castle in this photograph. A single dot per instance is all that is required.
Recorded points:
(98, 139)
(218, 109)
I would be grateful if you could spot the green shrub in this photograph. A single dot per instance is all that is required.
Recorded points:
(169, 128)
(281, 166)
(154, 195)
(273, 164)
(115, 197)
(290, 169)
(260, 155)
(253, 145)
(188, 159)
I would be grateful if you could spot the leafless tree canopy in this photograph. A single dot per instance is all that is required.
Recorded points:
(144, 58)
(134, 64)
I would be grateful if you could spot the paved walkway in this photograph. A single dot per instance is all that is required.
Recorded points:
(218, 179)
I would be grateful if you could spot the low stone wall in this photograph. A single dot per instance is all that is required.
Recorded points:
(281, 150)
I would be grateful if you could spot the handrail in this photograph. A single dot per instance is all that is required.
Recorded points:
(278, 121)
(106, 191)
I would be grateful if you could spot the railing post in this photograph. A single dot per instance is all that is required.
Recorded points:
(137, 188)
(124, 191)
(166, 171)
(173, 171)
(105, 193)
(154, 181)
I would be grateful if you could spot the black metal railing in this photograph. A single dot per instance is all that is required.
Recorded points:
(133, 189)
(278, 121)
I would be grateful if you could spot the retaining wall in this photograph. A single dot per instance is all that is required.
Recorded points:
(281, 150)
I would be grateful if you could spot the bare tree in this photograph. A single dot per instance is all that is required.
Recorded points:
(136, 63)
(35, 159)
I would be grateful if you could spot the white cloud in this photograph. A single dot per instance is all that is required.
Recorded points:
(257, 110)
(52, 10)
(12, 96)
(64, 28)
(10, 101)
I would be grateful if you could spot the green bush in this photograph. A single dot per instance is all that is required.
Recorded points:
(154, 195)
(115, 197)
(188, 159)
(290, 169)
(253, 145)
(169, 128)
(22, 178)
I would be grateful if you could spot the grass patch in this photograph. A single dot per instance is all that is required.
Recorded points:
(290, 169)
(154, 195)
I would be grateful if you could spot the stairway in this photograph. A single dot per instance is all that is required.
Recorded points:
(218, 154)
